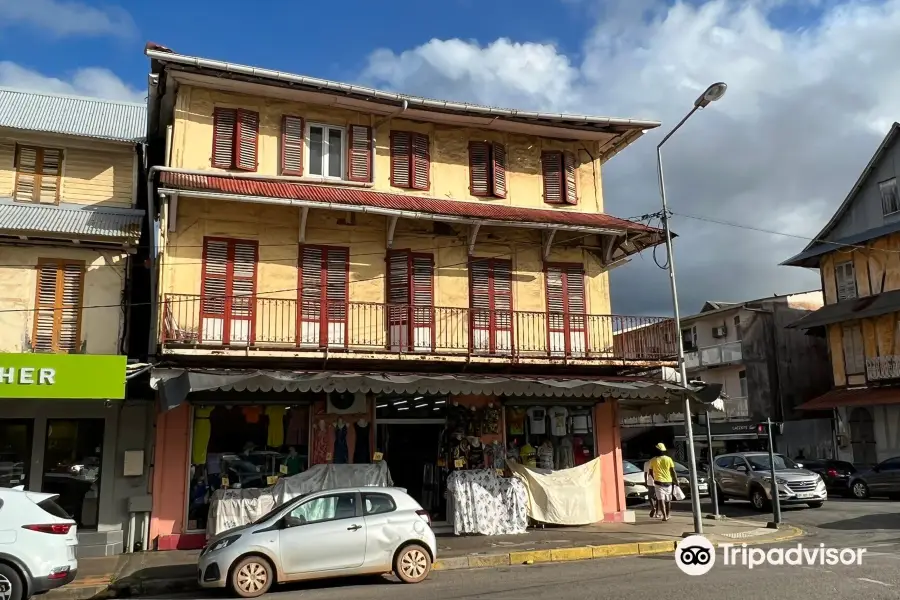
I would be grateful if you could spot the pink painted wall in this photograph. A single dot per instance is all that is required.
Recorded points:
(171, 460)
(609, 449)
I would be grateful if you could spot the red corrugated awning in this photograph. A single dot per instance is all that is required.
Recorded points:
(853, 397)
(348, 196)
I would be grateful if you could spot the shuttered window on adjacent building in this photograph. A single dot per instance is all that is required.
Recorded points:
(410, 160)
(559, 170)
(410, 294)
(854, 350)
(235, 139)
(566, 308)
(228, 290)
(487, 169)
(490, 304)
(58, 303)
(38, 173)
(291, 146)
(845, 276)
(323, 292)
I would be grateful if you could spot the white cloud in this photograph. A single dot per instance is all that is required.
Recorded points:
(804, 112)
(92, 82)
(67, 18)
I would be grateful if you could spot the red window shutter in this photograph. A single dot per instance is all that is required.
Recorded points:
(401, 153)
(228, 288)
(246, 140)
(421, 162)
(556, 303)
(498, 169)
(310, 283)
(552, 171)
(223, 137)
(243, 285)
(479, 168)
(422, 289)
(359, 152)
(337, 269)
(214, 279)
(571, 178)
(291, 145)
(491, 302)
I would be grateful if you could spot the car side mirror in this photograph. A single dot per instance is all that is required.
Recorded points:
(798, 465)
(741, 468)
(292, 521)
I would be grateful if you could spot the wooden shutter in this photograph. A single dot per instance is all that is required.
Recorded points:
(26, 173)
(400, 159)
(845, 276)
(228, 289)
(246, 140)
(490, 301)
(243, 278)
(411, 296)
(324, 290)
(566, 308)
(57, 320)
(422, 294)
(359, 151)
(480, 168)
(498, 169)
(854, 350)
(421, 162)
(337, 276)
(310, 284)
(50, 170)
(552, 171)
(214, 279)
(224, 120)
(571, 176)
(38, 173)
(291, 145)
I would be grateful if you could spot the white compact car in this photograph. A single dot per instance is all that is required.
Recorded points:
(335, 533)
(635, 486)
(37, 544)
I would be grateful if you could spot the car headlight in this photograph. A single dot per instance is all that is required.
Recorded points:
(683, 480)
(778, 480)
(629, 484)
(223, 543)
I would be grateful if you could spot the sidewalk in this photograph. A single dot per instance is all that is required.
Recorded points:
(174, 571)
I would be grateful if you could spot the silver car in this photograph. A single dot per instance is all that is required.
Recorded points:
(748, 476)
(335, 533)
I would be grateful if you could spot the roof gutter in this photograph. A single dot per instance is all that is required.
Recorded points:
(390, 97)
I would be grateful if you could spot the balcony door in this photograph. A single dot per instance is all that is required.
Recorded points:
(410, 296)
(323, 302)
(566, 310)
(228, 291)
(490, 305)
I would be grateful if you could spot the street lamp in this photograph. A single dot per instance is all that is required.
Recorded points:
(712, 93)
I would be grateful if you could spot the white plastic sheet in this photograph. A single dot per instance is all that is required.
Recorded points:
(486, 504)
(565, 497)
(232, 508)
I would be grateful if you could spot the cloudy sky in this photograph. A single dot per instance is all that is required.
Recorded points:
(813, 88)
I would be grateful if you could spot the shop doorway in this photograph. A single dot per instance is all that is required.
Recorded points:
(411, 449)
(72, 458)
(16, 436)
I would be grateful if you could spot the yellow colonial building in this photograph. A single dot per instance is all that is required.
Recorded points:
(340, 250)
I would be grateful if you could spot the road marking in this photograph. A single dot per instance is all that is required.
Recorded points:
(875, 581)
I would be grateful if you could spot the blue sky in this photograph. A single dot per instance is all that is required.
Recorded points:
(813, 87)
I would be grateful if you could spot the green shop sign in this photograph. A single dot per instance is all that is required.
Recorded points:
(62, 376)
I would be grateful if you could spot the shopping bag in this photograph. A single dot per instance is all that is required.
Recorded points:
(677, 494)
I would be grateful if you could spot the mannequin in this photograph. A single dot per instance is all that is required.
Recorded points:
(341, 454)
(320, 443)
(361, 444)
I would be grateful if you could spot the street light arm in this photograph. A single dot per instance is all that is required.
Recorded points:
(677, 127)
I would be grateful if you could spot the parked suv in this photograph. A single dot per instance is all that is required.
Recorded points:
(748, 476)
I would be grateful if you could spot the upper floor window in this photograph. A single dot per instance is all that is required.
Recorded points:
(57, 317)
(410, 160)
(327, 146)
(845, 276)
(560, 177)
(689, 338)
(410, 294)
(235, 139)
(854, 350)
(890, 197)
(737, 327)
(490, 303)
(38, 174)
(487, 169)
(323, 293)
(228, 290)
(742, 383)
(566, 308)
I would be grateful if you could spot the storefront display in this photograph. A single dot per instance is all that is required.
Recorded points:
(482, 502)
(551, 437)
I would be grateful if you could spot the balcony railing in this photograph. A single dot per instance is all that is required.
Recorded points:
(711, 356)
(365, 327)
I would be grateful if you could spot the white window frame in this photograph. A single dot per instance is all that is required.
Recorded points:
(882, 186)
(840, 272)
(325, 155)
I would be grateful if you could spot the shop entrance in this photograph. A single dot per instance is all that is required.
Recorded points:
(16, 436)
(72, 458)
(411, 449)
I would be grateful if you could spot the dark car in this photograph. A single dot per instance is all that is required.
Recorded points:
(881, 480)
(684, 477)
(835, 473)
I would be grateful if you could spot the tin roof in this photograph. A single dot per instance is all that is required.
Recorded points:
(68, 221)
(70, 115)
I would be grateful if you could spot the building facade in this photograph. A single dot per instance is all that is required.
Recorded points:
(858, 257)
(69, 171)
(346, 275)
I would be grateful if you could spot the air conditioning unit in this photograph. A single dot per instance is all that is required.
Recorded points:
(346, 403)
(720, 332)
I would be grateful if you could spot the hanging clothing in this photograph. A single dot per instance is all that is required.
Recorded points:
(565, 457)
(490, 421)
(361, 445)
(458, 420)
(498, 452)
(558, 421)
(341, 455)
(298, 426)
(545, 456)
(202, 433)
(275, 437)
(320, 444)
(252, 414)
(476, 454)
(537, 416)
(515, 421)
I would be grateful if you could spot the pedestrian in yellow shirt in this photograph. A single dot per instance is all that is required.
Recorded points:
(663, 468)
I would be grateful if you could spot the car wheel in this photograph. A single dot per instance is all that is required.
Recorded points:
(11, 585)
(759, 500)
(860, 490)
(815, 504)
(412, 564)
(251, 577)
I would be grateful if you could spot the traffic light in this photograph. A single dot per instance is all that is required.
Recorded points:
(777, 428)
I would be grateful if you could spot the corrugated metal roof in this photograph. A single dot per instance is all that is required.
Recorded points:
(846, 310)
(365, 197)
(55, 221)
(69, 115)
(852, 397)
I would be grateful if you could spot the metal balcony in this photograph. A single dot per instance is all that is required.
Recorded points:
(713, 356)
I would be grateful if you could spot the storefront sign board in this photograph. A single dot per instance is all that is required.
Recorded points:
(62, 376)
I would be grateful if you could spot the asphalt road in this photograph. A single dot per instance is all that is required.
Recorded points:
(874, 525)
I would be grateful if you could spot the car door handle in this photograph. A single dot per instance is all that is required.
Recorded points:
(354, 527)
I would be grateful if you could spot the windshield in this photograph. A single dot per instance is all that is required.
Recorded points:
(680, 468)
(760, 462)
(276, 510)
(630, 468)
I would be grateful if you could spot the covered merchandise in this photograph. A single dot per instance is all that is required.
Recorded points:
(330, 477)
(487, 504)
(232, 508)
(567, 497)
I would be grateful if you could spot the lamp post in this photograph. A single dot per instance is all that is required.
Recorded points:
(712, 93)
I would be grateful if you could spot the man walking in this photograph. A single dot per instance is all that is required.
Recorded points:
(651, 489)
(664, 478)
